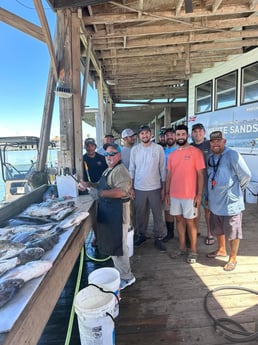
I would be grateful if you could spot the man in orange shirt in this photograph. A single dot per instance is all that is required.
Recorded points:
(184, 187)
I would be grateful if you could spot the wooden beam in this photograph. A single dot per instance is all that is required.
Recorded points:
(216, 5)
(123, 18)
(179, 5)
(46, 31)
(169, 28)
(220, 37)
(22, 24)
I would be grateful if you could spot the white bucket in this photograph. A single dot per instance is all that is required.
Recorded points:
(130, 236)
(92, 307)
(109, 279)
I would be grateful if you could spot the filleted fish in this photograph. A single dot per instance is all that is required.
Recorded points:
(8, 288)
(30, 270)
(9, 249)
(8, 264)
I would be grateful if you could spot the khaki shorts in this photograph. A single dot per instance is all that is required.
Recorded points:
(230, 226)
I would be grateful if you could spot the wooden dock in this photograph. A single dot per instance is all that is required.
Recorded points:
(166, 304)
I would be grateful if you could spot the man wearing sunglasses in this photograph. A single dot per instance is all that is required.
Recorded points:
(114, 189)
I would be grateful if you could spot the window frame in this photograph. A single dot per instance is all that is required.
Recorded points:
(210, 96)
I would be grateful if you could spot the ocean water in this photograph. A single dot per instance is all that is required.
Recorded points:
(22, 160)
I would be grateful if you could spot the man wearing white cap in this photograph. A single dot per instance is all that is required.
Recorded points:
(128, 136)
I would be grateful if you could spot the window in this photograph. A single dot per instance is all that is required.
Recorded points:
(249, 83)
(226, 91)
(203, 96)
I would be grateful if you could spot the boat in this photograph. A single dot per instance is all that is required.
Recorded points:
(18, 159)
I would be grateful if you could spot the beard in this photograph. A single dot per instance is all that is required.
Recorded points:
(181, 142)
(146, 140)
(170, 143)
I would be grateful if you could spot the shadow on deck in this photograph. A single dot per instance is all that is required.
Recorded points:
(166, 304)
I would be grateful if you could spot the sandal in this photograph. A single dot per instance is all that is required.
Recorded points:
(192, 258)
(215, 255)
(209, 240)
(230, 266)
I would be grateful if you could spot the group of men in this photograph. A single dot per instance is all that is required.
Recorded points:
(176, 178)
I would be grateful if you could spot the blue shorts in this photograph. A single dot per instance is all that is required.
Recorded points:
(230, 226)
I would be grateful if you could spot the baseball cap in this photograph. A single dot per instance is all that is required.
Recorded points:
(128, 132)
(144, 128)
(108, 135)
(115, 146)
(89, 141)
(198, 125)
(217, 135)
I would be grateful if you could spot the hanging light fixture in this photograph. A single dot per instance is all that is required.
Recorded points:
(63, 90)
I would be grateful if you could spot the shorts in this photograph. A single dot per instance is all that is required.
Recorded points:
(230, 226)
(183, 207)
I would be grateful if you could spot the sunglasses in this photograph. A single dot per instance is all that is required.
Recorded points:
(111, 154)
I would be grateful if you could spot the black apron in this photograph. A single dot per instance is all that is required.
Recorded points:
(110, 222)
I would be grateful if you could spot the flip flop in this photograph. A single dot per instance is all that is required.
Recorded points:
(209, 241)
(215, 255)
(230, 266)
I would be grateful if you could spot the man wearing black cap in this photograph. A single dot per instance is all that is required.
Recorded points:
(148, 171)
(200, 141)
(93, 166)
(228, 175)
(93, 163)
(108, 139)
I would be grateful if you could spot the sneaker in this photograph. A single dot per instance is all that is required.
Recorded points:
(160, 246)
(140, 240)
(126, 282)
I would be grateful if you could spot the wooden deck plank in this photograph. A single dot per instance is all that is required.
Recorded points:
(166, 304)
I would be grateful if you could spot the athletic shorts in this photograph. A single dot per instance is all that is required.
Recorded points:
(183, 207)
(230, 226)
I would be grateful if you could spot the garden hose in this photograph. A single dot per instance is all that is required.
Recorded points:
(222, 324)
(71, 319)
(91, 257)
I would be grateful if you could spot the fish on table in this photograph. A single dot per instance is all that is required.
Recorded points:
(28, 271)
(30, 254)
(46, 243)
(48, 208)
(8, 264)
(9, 249)
(8, 288)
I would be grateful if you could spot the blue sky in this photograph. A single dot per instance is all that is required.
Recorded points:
(24, 66)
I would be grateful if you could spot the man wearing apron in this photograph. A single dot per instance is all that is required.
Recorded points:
(113, 216)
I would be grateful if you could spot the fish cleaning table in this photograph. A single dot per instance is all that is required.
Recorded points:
(23, 319)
